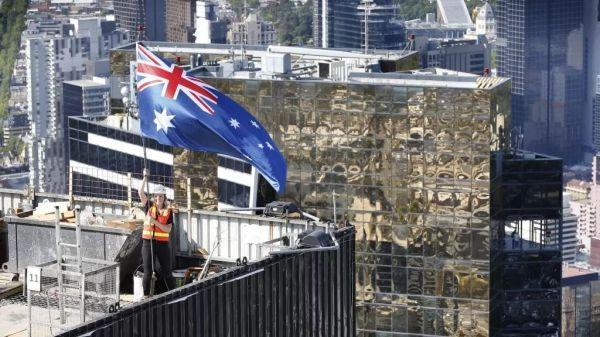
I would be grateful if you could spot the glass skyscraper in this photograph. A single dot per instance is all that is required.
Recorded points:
(341, 24)
(419, 163)
(129, 14)
(541, 48)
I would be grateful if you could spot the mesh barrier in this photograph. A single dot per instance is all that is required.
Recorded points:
(71, 298)
(98, 183)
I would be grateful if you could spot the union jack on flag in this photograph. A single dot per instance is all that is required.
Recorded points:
(152, 70)
(180, 110)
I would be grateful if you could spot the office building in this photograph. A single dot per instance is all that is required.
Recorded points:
(103, 151)
(526, 212)
(16, 126)
(149, 14)
(59, 50)
(417, 161)
(591, 25)
(435, 30)
(569, 241)
(252, 31)
(209, 27)
(180, 17)
(89, 98)
(341, 24)
(596, 116)
(594, 251)
(471, 55)
(541, 48)
(580, 302)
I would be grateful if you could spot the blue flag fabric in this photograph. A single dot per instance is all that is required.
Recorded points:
(180, 110)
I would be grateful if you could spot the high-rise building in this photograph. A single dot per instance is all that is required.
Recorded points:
(57, 51)
(252, 31)
(450, 223)
(569, 231)
(596, 116)
(525, 247)
(102, 153)
(580, 302)
(209, 27)
(471, 55)
(341, 24)
(180, 20)
(591, 131)
(541, 48)
(89, 98)
(150, 14)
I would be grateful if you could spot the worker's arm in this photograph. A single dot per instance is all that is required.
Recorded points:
(165, 228)
(141, 190)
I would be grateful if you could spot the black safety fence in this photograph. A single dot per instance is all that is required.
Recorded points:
(308, 293)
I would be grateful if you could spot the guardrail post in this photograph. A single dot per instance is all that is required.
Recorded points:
(189, 215)
(129, 196)
(71, 198)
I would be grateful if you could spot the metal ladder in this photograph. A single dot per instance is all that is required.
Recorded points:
(70, 274)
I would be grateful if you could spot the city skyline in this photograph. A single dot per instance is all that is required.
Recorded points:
(457, 140)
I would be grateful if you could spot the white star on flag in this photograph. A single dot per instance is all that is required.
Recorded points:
(234, 123)
(261, 146)
(269, 146)
(254, 124)
(163, 120)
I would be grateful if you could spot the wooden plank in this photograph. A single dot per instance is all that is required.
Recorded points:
(49, 207)
(8, 289)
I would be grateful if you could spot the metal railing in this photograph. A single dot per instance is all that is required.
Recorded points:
(194, 228)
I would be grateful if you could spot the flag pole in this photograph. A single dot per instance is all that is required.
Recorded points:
(153, 279)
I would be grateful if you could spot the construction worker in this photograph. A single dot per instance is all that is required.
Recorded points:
(155, 246)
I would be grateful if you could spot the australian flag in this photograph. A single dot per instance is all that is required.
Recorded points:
(180, 110)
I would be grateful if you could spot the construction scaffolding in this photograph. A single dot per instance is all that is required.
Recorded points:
(71, 289)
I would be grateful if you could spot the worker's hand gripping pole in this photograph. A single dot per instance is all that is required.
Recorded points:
(153, 279)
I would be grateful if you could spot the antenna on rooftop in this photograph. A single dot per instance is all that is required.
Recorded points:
(141, 29)
(410, 46)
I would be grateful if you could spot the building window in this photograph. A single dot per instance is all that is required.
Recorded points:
(233, 194)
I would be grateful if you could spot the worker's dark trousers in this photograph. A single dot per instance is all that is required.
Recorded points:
(162, 264)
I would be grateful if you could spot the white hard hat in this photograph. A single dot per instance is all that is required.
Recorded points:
(159, 189)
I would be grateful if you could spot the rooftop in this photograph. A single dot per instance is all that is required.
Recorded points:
(572, 275)
(431, 77)
(316, 64)
(87, 83)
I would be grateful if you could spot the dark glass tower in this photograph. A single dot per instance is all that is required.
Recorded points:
(341, 24)
(129, 14)
(525, 249)
(540, 47)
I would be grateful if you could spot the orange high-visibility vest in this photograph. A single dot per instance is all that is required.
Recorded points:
(162, 217)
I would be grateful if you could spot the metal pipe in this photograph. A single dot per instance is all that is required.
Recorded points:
(243, 209)
(307, 250)
(207, 263)
(310, 216)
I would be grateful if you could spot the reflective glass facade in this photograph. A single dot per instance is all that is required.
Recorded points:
(541, 48)
(411, 167)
